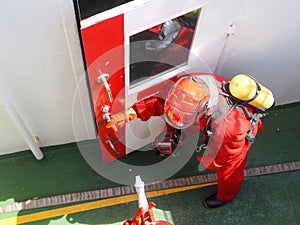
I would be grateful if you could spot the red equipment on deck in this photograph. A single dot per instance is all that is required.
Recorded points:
(144, 215)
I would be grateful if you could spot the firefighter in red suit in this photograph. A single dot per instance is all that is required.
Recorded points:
(227, 127)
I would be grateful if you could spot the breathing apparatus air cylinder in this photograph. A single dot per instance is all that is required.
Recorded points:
(246, 88)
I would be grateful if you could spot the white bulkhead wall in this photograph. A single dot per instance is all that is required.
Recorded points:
(266, 44)
(41, 61)
(41, 68)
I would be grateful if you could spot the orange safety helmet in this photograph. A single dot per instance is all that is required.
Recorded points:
(185, 101)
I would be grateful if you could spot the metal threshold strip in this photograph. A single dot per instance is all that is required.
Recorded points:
(106, 193)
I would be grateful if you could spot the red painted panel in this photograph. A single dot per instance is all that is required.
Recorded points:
(102, 37)
(104, 52)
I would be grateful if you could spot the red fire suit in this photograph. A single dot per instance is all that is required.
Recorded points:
(231, 158)
(232, 155)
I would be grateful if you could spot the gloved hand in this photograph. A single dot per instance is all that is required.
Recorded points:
(119, 119)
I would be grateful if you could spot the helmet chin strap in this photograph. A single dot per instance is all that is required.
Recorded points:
(202, 112)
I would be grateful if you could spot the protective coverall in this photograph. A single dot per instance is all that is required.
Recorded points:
(232, 153)
(230, 160)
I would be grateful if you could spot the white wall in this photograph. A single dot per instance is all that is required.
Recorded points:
(41, 66)
(267, 44)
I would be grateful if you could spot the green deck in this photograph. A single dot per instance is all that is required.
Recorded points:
(269, 199)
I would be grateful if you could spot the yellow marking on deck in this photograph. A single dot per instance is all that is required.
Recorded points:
(82, 207)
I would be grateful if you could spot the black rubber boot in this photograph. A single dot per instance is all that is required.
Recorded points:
(213, 202)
